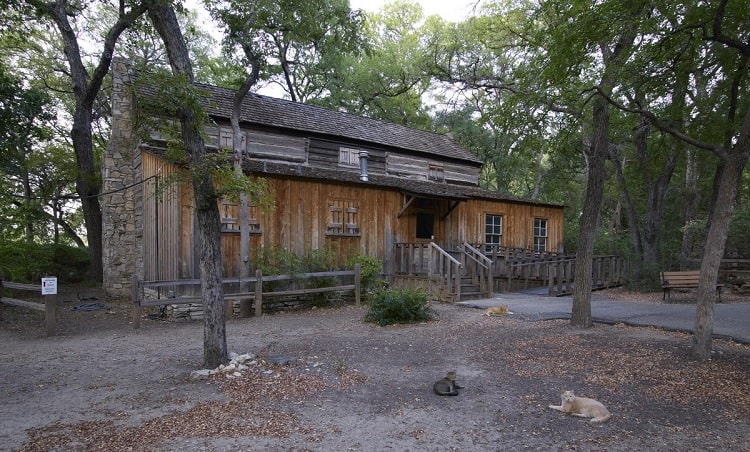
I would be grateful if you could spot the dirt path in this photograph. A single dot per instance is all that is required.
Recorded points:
(100, 385)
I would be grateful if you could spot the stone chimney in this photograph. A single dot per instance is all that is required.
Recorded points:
(121, 200)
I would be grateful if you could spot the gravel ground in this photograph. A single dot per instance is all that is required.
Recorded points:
(349, 385)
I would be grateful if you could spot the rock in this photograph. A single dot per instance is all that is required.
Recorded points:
(201, 374)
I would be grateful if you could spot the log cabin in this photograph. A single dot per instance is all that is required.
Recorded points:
(342, 182)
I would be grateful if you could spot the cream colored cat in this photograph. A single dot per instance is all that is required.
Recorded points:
(497, 310)
(582, 407)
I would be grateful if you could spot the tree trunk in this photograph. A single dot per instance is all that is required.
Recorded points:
(635, 231)
(692, 201)
(597, 154)
(88, 186)
(726, 186)
(163, 17)
(86, 86)
(726, 193)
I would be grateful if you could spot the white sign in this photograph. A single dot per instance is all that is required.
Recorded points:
(49, 286)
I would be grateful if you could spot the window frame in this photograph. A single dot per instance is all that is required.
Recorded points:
(436, 172)
(343, 218)
(540, 241)
(352, 157)
(229, 217)
(487, 225)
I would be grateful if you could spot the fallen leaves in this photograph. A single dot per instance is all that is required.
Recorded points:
(253, 408)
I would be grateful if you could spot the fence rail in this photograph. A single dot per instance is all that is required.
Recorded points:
(257, 296)
(49, 307)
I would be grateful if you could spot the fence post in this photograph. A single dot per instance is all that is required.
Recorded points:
(50, 314)
(258, 293)
(134, 293)
(357, 282)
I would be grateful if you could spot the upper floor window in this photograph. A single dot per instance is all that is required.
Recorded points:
(540, 235)
(436, 172)
(342, 217)
(349, 157)
(493, 232)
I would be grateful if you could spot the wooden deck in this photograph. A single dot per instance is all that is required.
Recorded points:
(479, 270)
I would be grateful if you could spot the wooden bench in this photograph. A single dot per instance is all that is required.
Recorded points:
(682, 280)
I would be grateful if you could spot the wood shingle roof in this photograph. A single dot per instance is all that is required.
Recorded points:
(280, 113)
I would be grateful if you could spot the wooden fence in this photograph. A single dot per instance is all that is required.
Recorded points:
(256, 296)
(49, 307)
(558, 274)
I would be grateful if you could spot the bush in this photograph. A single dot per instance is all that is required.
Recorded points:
(29, 262)
(371, 269)
(390, 306)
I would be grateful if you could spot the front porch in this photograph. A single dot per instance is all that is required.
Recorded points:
(471, 271)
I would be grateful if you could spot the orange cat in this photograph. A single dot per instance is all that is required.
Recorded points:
(497, 310)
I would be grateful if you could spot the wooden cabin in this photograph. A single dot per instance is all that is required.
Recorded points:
(342, 182)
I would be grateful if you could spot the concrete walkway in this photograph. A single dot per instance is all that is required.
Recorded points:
(731, 321)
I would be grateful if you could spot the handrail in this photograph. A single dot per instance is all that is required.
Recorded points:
(475, 254)
(482, 270)
(441, 251)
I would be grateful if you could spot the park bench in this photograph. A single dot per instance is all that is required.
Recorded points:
(682, 280)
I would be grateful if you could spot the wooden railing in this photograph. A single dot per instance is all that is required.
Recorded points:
(49, 307)
(191, 286)
(558, 274)
(431, 261)
(503, 256)
(478, 267)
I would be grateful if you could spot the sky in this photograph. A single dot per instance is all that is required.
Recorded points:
(450, 10)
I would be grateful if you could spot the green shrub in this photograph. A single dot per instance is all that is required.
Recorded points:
(370, 270)
(29, 262)
(390, 306)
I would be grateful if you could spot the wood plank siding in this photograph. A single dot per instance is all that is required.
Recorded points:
(303, 213)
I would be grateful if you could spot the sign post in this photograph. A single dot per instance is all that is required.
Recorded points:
(49, 290)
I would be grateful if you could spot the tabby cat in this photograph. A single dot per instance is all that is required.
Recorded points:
(447, 386)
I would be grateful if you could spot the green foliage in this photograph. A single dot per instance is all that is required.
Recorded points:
(371, 269)
(389, 306)
(275, 261)
(297, 43)
(29, 262)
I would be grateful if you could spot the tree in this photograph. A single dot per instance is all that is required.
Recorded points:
(187, 108)
(35, 174)
(388, 76)
(297, 42)
(23, 114)
(714, 44)
(85, 86)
